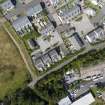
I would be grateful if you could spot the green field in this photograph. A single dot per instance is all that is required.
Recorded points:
(13, 72)
(1, 1)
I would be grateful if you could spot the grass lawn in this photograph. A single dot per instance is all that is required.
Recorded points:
(1, 1)
(13, 72)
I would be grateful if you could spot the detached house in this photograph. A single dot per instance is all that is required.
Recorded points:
(95, 35)
(22, 25)
(34, 10)
(76, 42)
(7, 6)
(67, 16)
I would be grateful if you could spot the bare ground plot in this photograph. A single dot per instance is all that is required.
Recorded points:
(13, 72)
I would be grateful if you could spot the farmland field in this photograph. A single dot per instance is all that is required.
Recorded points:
(13, 72)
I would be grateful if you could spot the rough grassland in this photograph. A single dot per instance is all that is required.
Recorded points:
(13, 72)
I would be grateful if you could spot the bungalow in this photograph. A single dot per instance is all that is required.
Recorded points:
(47, 60)
(95, 35)
(33, 44)
(47, 29)
(22, 25)
(7, 6)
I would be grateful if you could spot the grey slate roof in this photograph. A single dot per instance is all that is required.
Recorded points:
(34, 10)
(71, 11)
(76, 41)
(7, 5)
(20, 23)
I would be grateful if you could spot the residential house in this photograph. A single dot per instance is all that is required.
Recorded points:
(33, 44)
(7, 6)
(67, 15)
(47, 60)
(76, 43)
(22, 25)
(42, 61)
(96, 35)
(54, 56)
(34, 10)
(38, 63)
(48, 29)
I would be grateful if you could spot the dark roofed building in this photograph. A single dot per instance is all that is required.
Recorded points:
(68, 15)
(33, 43)
(34, 10)
(95, 35)
(76, 42)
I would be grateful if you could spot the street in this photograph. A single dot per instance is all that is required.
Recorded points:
(88, 48)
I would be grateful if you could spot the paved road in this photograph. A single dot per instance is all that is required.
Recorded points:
(88, 48)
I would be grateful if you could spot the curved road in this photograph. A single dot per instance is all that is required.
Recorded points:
(88, 48)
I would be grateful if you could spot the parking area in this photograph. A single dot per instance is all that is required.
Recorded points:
(83, 26)
(82, 85)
